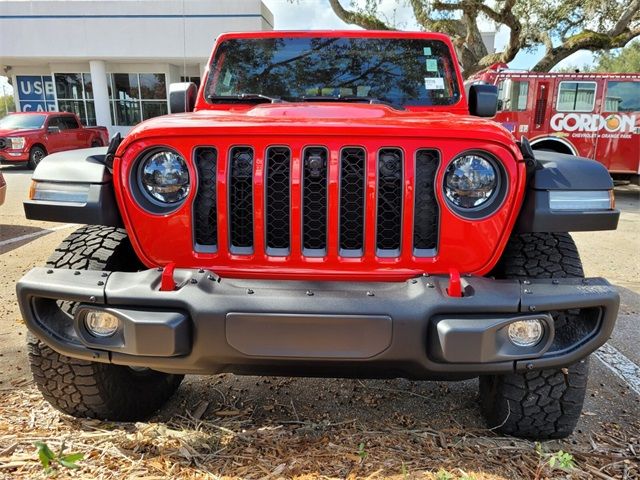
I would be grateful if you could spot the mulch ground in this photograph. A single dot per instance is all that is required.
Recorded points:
(213, 440)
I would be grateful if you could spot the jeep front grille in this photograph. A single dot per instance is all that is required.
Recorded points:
(205, 212)
(278, 199)
(313, 202)
(389, 208)
(425, 213)
(241, 200)
(352, 186)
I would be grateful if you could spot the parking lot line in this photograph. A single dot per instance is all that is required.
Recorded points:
(21, 238)
(620, 365)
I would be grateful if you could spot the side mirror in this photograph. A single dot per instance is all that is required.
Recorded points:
(182, 97)
(53, 129)
(483, 100)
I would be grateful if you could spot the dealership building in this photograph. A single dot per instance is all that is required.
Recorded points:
(112, 62)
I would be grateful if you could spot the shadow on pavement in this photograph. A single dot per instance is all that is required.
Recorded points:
(9, 233)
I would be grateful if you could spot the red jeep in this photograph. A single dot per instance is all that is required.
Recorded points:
(30, 136)
(330, 204)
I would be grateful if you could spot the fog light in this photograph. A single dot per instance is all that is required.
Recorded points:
(526, 333)
(101, 324)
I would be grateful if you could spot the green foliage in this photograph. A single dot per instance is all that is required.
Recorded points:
(362, 453)
(625, 60)
(442, 474)
(51, 460)
(6, 105)
(559, 460)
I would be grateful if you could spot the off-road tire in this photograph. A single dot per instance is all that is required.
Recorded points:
(89, 389)
(539, 255)
(36, 154)
(539, 404)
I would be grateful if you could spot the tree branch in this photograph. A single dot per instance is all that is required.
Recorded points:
(366, 21)
(586, 40)
(506, 17)
(624, 21)
(568, 26)
(447, 7)
(421, 13)
(468, 42)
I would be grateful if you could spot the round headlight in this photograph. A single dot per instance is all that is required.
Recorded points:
(164, 177)
(470, 181)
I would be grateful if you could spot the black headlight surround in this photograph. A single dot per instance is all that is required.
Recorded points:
(495, 200)
(144, 199)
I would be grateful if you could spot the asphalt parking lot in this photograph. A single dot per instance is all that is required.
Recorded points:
(613, 398)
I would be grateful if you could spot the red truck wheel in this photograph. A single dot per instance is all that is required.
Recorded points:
(539, 404)
(90, 389)
(36, 154)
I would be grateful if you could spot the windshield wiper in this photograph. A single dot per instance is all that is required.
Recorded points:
(348, 98)
(244, 97)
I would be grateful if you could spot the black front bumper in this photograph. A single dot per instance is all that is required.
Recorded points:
(411, 329)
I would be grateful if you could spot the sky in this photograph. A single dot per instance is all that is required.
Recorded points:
(317, 14)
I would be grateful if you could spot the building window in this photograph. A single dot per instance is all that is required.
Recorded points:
(513, 95)
(136, 97)
(195, 80)
(576, 97)
(75, 94)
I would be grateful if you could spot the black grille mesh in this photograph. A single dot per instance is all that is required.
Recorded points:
(278, 172)
(241, 197)
(352, 186)
(205, 206)
(426, 212)
(314, 201)
(389, 208)
(352, 189)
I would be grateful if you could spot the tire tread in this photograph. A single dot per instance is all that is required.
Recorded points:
(89, 389)
(542, 404)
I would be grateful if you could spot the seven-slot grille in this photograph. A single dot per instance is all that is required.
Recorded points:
(313, 201)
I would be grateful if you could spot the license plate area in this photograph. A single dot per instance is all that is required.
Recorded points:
(280, 335)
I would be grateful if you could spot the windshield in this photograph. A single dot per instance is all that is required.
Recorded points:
(398, 71)
(17, 121)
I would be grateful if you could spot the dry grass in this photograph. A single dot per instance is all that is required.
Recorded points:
(213, 440)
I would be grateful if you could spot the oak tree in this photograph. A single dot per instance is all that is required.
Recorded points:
(562, 27)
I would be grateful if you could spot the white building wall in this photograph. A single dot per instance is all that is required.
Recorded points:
(174, 37)
(131, 29)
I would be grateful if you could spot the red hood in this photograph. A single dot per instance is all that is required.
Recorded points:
(322, 118)
(6, 132)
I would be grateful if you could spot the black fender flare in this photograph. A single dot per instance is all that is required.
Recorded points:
(74, 170)
(562, 172)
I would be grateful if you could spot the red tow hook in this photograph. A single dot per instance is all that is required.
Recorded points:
(455, 285)
(167, 283)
